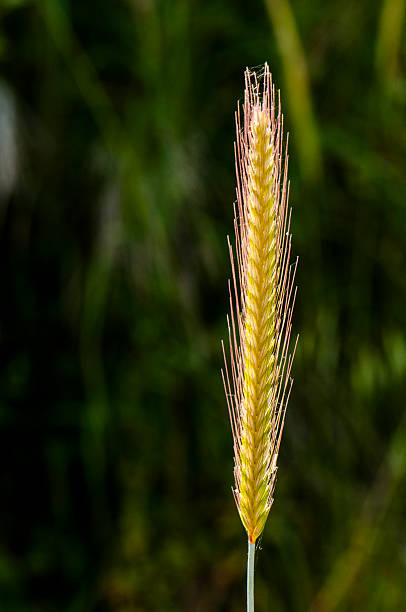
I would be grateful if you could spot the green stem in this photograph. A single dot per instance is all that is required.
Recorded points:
(250, 576)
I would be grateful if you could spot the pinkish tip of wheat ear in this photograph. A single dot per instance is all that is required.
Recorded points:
(257, 372)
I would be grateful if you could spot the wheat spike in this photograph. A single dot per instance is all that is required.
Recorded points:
(257, 372)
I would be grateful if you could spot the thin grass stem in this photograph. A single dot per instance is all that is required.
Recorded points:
(250, 576)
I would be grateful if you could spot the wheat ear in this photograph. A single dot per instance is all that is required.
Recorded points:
(257, 372)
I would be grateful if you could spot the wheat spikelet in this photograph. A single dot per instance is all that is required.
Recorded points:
(257, 373)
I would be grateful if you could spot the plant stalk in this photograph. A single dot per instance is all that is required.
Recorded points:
(250, 576)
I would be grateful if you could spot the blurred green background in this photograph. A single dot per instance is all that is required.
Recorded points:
(116, 191)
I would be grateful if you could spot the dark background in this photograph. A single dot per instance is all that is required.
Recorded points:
(116, 191)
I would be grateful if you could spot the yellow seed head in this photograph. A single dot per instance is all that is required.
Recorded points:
(257, 375)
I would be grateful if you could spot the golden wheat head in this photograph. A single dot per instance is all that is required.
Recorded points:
(257, 373)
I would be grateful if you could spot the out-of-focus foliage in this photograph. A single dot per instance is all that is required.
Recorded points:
(116, 191)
